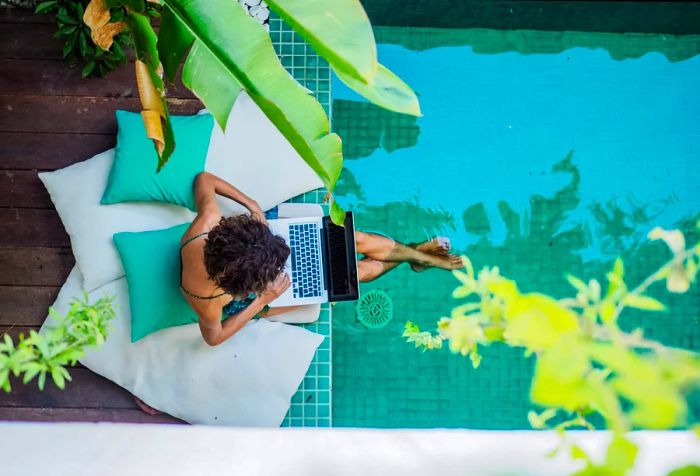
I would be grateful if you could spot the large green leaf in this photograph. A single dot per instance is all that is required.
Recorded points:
(244, 50)
(214, 84)
(385, 89)
(151, 87)
(338, 30)
(173, 41)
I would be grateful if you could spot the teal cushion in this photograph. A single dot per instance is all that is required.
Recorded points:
(133, 176)
(151, 260)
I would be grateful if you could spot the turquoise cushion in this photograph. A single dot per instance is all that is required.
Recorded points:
(152, 263)
(133, 176)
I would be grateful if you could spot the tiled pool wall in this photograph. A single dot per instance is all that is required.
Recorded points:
(311, 405)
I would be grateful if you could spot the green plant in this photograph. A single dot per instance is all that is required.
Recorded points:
(224, 51)
(79, 48)
(59, 345)
(586, 364)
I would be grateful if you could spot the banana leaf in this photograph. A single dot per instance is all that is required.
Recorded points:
(340, 31)
(230, 47)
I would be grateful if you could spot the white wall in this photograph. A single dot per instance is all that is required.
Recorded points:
(123, 449)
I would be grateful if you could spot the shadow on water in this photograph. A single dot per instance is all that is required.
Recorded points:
(380, 128)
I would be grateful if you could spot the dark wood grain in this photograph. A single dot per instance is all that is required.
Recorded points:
(35, 41)
(49, 151)
(119, 415)
(34, 266)
(22, 188)
(86, 390)
(95, 115)
(25, 305)
(22, 15)
(32, 227)
(55, 78)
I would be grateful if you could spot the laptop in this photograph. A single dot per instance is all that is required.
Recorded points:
(322, 264)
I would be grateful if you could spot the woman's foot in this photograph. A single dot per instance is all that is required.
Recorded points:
(438, 246)
(145, 408)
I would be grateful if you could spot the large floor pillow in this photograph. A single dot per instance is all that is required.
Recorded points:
(248, 380)
(76, 192)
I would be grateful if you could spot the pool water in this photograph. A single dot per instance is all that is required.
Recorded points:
(541, 153)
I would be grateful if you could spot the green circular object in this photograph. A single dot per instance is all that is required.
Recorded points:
(375, 309)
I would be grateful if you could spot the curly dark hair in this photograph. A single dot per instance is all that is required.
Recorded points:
(243, 256)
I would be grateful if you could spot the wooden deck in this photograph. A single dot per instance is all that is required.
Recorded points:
(51, 118)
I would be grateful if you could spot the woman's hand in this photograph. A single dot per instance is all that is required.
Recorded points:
(276, 288)
(257, 213)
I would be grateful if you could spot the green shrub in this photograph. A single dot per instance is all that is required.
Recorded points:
(79, 49)
(59, 345)
(586, 365)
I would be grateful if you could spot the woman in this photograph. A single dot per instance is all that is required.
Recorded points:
(233, 266)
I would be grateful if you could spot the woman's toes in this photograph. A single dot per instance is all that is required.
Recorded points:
(443, 242)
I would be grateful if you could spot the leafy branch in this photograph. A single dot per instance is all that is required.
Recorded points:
(585, 363)
(58, 346)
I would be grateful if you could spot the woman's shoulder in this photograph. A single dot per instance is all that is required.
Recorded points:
(202, 224)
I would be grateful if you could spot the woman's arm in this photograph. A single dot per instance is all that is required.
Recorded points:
(215, 332)
(208, 185)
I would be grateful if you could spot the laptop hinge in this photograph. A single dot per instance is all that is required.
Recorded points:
(326, 257)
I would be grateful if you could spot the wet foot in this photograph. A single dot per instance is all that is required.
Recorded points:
(438, 246)
(145, 408)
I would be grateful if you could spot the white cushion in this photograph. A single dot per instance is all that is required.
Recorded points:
(248, 380)
(76, 192)
(255, 157)
(252, 155)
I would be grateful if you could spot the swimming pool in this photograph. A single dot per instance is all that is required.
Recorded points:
(539, 152)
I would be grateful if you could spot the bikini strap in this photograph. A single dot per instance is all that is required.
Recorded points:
(191, 239)
(203, 298)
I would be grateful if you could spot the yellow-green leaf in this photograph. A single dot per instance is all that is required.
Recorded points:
(643, 302)
(620, 455)
(536, 321)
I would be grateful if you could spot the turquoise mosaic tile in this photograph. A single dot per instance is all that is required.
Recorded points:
(311, 405)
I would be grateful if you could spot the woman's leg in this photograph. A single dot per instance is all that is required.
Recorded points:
(369, 269)
(146, 408)
(381, 248)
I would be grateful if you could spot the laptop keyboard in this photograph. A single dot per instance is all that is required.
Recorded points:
(306, 260)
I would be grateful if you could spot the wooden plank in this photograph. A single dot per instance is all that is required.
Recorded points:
(15, 331)
(83, 415)
(18, 40)
(25, 305)
(34, 266)
(22, 15)
(32, 227)
(86, 390)
(73, 114)
(23, 189)
(55, 78)
(49, 151)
